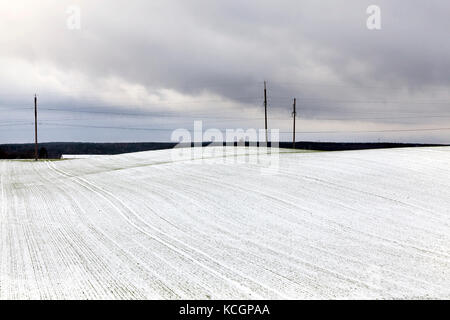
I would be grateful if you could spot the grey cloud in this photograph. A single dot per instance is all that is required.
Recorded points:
(318, 51)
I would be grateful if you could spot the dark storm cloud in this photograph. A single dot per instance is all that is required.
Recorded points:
(318, 51)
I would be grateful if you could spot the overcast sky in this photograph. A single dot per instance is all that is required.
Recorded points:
(137, 69)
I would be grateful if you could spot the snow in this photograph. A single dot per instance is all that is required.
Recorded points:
(80, 156)
(354, 224)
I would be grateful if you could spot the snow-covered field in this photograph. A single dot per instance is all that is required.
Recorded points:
(355, 224)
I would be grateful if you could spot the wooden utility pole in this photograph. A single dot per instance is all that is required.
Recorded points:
(294, 114)
(35, 130)
(265, 111)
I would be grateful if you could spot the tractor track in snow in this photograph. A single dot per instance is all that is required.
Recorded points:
(111, 198)
(142, 226)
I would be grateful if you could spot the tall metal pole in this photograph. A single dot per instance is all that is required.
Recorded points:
(265, 111)
(35, 130)
(294, 114)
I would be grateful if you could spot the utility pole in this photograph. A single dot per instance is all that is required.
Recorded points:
(294, 114)
(35, 129)
(265, 111)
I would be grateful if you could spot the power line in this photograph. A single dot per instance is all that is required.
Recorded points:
(108, 127)
(374, 131)
(168, 129)
(242, 119)
(17, 124)
(223, 129)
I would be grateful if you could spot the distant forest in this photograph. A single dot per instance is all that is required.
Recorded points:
(54, 150)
